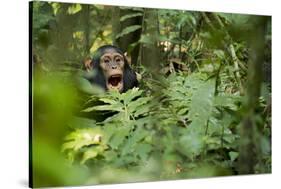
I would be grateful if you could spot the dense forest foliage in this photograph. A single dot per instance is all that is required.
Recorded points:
(202, 107)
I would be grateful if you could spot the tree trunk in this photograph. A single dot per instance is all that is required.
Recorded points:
(87, 27)
(128, 39)
(250, 136)
(150, 55)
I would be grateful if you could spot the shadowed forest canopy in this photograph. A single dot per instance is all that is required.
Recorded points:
(202, 107)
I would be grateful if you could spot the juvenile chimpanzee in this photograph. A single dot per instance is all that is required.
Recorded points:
(112, 70)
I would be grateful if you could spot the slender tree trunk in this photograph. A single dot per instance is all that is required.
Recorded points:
(250, 136)
(115, 24)
(126, 40)
(87, 26)
(150, 55)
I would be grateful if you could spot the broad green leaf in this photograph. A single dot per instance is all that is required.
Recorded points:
(132, 8)
(191, 144)
(114, 107)
(162, 38)
(128, 148)
(182, 111)
(265, 145)
(142, 110)
(236, 18)
(213, 143)
(56, 7)
(116, 119)
(132, 140)
(142, 150)
(125, 17)
(81, 138)
(110, 155)
(128, 30)
(73, 9)
(233, 155)
(110, 101)
(119, 137)
(265, 92)
(136, 104)
(228, 101)
(130, 95)
(219, 53)
(114, 93)
(131, 47)
(139, 134)
(146, 39)
(229, 137)
(90, 153)
(201, 105)
(84, 133)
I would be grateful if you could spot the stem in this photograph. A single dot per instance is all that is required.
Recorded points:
(236, 67)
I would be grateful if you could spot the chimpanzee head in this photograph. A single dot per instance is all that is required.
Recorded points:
(112, 69)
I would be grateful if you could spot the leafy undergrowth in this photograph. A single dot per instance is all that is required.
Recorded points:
(187, 129)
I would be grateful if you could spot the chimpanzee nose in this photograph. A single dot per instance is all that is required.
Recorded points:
(113, 67)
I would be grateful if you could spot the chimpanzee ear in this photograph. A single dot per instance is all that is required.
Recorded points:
(129, 78)
(87, 64)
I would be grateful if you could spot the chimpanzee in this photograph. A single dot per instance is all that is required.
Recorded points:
(112, 70)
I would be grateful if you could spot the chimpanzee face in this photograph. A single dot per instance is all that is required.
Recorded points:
(112, 64)
(112, 70)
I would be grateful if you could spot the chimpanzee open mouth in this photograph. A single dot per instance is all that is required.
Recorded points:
(114, 80)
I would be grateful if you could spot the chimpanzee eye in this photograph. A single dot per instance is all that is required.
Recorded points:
(106, 61)
(118, 59)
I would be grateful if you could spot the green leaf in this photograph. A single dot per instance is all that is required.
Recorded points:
(265, 145)
(132, 8)
(233, 155)
(131, 47)
(182, 111)
(241, 20)
(265, 92)
(91, 153)
(139, 103)
(130, 95)
(119, 137)
(110, 155)
(125, 17)
(73, 9)
(128, 30)
(228, 136)
(191, 144)
(146, 39)
(142, 110)
(142, 150)
(82, 137)
(219, 53)
(114, 107)
(213, 143)
(201, 105)
(139, 134)
(228, 101)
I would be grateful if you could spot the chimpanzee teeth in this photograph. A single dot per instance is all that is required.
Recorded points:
(114, 76)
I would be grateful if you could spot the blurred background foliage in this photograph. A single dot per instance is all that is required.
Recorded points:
(203, 107)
